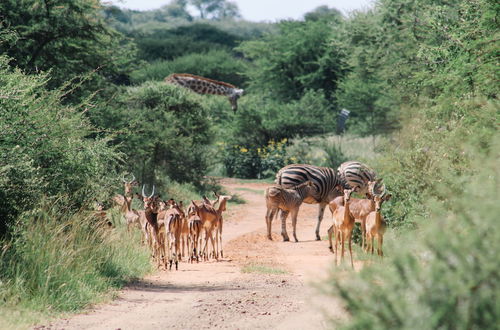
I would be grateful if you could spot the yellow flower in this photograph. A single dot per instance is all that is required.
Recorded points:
(244, 150)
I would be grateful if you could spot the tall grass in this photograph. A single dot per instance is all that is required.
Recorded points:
(64, 262)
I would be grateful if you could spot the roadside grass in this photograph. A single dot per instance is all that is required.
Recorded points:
(60, 263)
(269, 180)
(261, 268)
(255, 191)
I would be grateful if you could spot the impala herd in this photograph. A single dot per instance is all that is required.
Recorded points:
(174, 232)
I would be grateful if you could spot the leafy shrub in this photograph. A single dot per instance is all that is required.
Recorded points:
(260, 162)
(444, 275)
(164, 130)
(168, 44)
(215, 64)
(46, 148)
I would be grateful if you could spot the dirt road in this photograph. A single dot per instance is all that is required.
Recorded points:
(260, 284)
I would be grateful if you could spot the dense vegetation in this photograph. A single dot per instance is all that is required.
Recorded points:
(82, 101)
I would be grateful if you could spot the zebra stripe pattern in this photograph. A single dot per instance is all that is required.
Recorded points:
(325, 180)
(356, 175)
(288, 201)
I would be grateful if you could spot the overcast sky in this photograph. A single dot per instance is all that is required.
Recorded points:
(261, 10)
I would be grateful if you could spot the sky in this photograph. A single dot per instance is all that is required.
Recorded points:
(261, 10)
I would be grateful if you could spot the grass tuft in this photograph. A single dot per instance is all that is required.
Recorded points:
(260, 268)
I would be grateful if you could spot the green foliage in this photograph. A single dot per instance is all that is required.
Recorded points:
(168, 44)
(164, 130)
(64, 261)
(215, 64)
(45, 149)
(299, 58)
(261, 162)
(67, 37)
(216, 9)
(445, 275)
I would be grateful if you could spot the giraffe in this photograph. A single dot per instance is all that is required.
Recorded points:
(203, 85)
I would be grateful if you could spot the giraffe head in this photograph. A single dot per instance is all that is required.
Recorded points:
(234, 96)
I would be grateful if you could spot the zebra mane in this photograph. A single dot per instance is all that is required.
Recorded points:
(201, 78)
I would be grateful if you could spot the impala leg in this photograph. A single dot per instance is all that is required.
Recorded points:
(336, 232)
(363, 233)
(342, 241)
(220, 238)
(350, 249)
(380, 242)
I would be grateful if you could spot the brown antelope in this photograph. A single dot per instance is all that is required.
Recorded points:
(127, 187)
(195, 227)
(375, 224)
(359, 208)
(210, 218)
(151, 206)
(173, 219)
(131, 216)
(343, 224)
(288, 201)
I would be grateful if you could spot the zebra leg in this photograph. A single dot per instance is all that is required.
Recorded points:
(320, 218)
(284, 215)
(269, 219)
(330, 233)
(294, 223)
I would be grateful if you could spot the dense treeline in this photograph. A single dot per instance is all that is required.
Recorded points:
(82, 101)
(432, 64)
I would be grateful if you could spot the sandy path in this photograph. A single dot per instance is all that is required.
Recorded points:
(218, 294)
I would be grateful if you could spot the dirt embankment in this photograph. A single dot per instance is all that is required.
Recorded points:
(260, 284)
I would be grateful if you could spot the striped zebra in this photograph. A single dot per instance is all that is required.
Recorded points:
(288, 201)
(356, 175)
(325, 180)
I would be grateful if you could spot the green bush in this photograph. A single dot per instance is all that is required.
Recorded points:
(442, 276)
(214, 64)
(163, 130)
(46, 147)
(261, 162)
(168, 44)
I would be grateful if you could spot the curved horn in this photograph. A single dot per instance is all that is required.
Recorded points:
(143, 193)
(152, 192)
(133, 178)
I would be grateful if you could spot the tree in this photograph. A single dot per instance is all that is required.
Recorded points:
(216, 9)
(324, 13)
(178, 9)
(302, 56)
(45, 148)
(68, 37)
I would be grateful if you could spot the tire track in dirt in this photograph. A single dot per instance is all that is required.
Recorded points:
(218, 294)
